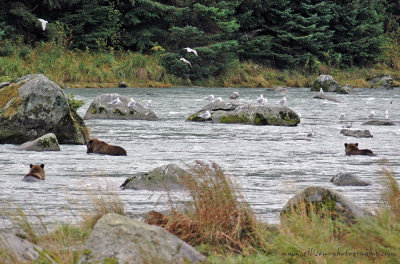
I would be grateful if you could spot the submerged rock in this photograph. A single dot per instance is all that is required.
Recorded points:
(326, 97)
(378, 123)
(356, 133)
(161, 178)
(47, 142)
(347, 179)
(115, 106)
(381, 82)
(244, 113)
(120, 239)
(329, 199)
(326, 82)
(35, 106)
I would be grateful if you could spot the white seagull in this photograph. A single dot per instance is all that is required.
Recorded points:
(115, 101)
(205, 115)
(387, 114)
(370, 115)
(261, 100)
(44, 22)
(321, 91)
(217, 100)
(191, 50)
(131, 103)
(341, 116)
(209, 97)
(235, 95)
(185, 61)
(149, 104)
(282, 101)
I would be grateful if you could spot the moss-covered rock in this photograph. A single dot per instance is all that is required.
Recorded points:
(121, 239)
(35, 106)
(101, 108)
(325, 200)
(244, 113)
(381, 82)
(326, 82)
(160, 178)
(47, 142)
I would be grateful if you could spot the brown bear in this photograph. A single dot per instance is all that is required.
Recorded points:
(95, 145)
(352, 149)
(36, 173)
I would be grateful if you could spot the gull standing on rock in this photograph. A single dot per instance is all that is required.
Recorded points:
(282, 101)
(186, 61)
(191, 50)
(115, 101)
(370, 115)
(131, 103)
(261, 100)
(205, 115)
(217, 100)
(321, 91)
(387, 114)
(235, 95)
(44, 22)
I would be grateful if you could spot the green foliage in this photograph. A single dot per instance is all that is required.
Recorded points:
(74, 104)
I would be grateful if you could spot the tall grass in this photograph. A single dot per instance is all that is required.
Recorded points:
(107, 68)
(64, 243)
(218, 215)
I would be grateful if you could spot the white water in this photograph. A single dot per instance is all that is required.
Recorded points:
(269, 163)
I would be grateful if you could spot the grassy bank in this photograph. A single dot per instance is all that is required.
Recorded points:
(221, 225)
(79, 69)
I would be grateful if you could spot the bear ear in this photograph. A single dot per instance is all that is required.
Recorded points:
(42, 166)
(31, 166)
(345, 144)
(356, 144)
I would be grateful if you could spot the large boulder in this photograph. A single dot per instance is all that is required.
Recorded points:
(326, 82)
(103, 107)
(120, 239)
(14, 249)
(35, 106)
(347, 179)
(320, 197)
(381, 82)
(243, 113)
(47, 142)
(378, 123)
(161, 178)
(356, 133)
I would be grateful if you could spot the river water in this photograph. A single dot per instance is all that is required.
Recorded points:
(269, 163)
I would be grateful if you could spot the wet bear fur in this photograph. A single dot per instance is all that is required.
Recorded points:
(36, 173)
(95, 145)
(352, 149)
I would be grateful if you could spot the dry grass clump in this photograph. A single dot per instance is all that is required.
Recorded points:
(103, 202)
(218, 215)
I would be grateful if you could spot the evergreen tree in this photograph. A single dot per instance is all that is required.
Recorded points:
(358, 30)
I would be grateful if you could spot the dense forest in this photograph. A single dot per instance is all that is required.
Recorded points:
(283, 34)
